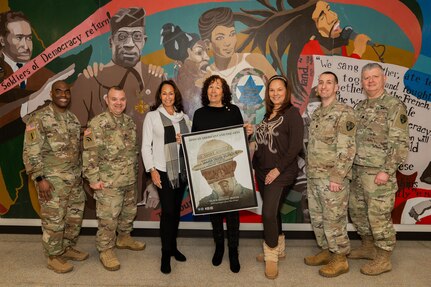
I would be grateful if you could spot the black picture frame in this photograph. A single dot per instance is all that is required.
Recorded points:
(219, 170)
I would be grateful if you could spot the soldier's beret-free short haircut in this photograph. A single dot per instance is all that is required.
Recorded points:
(128, 17)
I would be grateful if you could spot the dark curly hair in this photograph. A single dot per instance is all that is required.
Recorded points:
(178, 104)
(287, 101)
(227, 94)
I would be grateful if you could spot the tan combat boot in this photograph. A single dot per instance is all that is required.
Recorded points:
(367, 250)
(281, 250)
(125, 241)
(59, 265)
(337, 265)
(74, 254)
(271, 261)
(109, 260)
(321, 258)
(380, 265)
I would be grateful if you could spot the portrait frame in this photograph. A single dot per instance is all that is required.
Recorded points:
(219, 170)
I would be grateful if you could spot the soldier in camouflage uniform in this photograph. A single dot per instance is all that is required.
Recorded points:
(331, 149)
(382, 145)
(52, 158)
(110, 164)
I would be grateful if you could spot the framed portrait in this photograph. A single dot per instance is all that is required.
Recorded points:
(219, 170)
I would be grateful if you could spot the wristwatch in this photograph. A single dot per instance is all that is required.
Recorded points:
(40, 178)
(152, 169)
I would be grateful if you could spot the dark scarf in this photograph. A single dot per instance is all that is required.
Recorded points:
(171, 152)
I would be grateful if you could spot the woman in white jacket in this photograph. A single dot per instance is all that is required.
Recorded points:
(163, 158)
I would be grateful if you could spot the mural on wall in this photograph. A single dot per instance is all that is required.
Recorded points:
(137, 43)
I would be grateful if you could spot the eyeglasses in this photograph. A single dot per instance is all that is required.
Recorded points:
(137, 36)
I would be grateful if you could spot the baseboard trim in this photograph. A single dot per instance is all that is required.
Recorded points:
(196, 233)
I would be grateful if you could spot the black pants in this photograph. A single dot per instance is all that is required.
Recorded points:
(232, 223)
(273, 197)
(170, 200)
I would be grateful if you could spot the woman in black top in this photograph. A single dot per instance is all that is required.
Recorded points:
(218, 112)
(279, 139)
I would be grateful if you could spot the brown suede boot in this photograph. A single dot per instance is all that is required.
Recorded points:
(380, 265)
(321, 258)
(271, 261)
(281, 250)
(109, 260)
(59, 265)
(367, 250)
(74, 254)
(337, 266)
(125, 241)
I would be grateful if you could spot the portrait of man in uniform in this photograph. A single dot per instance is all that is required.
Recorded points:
(220, 176)
(125, 70)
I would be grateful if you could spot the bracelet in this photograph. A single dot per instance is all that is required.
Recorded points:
(40, 178)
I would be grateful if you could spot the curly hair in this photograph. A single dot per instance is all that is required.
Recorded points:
(287, 100)
(178, 104)
(227, 94)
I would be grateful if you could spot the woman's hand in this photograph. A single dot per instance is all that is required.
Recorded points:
(155, 177)
(178, 138)
(249, 129)
(151, 196)
(272, 175)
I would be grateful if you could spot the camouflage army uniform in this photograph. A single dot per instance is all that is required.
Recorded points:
(52, 150)
(331, 149)
(110, 155)
(382, 145)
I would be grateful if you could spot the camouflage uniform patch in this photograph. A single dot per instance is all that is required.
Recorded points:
(89, 140)
(31, 133)
(400, 119)
(348, 128)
